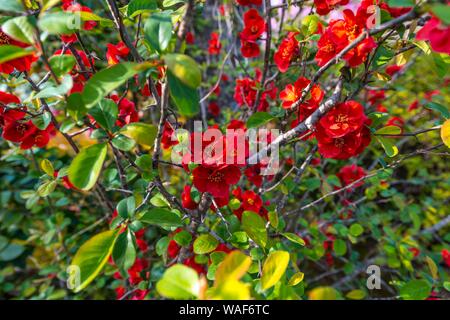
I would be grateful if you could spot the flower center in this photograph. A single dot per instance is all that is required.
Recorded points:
(251, 202)
(216, 177)
(4, 39)
(339, 143)
(342, 118)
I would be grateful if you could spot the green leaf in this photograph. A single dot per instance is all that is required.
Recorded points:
(47, 167)
(205, 244)
(179, 282)
(389, 130)
(184, 68)
(8, 53)
(293, 238)
(105, 113)
(86, 166)
(183, 238)
(62, 64)
(401, 3)
(258, 119)
(106, 80)
(11, 5)
(158, 31)
(46, 188)
(52, 91)
(75, 106)
(123, 143)
(143, 133)
(444, 111)
(415, 290)
(186, 98)
(42, 121)
(61, 22)
(11, 252)
(126, 207)
(310, 24)
(20, 29)
(161, 217)
(388, 145)
(356, 230)
(274, 268)
(136, 7)
(124, 252)
(442, 11)
(340, 247)
(255, 227)
(92, 256)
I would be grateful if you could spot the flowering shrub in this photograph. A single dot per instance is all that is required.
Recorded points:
(237, 149)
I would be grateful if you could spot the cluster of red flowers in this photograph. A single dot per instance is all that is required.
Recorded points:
(246, 90)
(286, 52)
(73, 6)
(20, 64)
(254, 27)
(340, 33)
(18, 129)
(351, 173)
(250, 201)
(324, 7)
(343, 133)
(214, 45)
(437, 33)
(249, 2)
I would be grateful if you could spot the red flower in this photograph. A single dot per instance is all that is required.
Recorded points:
(342, 119)
(292, 93)
(135, 272)
(286, 52)
(17, 131)
(349, 174)
(20, 64)
(254, 26)
(249, 49)
(38, 138)
(251, 201)
(446, 256)
(186, 199)
(344, 147)
(214, 44)
(115, 53)
(339, 34)
(414, 105)
(190, 38)
(216, 180)
(214, 109)
(391, 70)
(437, 33)
(376, 96)
(9, 115)
(127, 111)
(249, 2)
(166, 139)
(324, 7)
(236, 124)
(73, 6)
(245, 92)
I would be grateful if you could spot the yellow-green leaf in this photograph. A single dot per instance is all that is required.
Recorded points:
(323, 293)
(255, 227)
(92, 256)
(356, 294)
(205, 244)
(47, 167)
(433, 268)
(179, 282)
(143, 133)
(274, 268)
(234, 266)
(184, 68)
(445, 133)
(296, 279)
